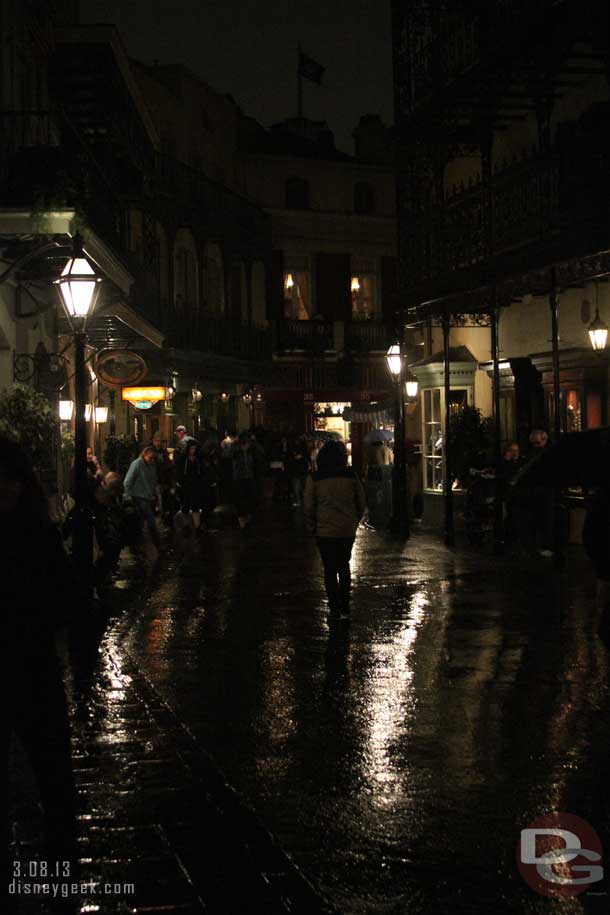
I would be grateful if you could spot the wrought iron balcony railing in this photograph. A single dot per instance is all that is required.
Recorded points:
(193, 187)
(305, 336)
(223, 337)
(367, 337)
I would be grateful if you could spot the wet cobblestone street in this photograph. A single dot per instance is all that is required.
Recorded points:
(236, 753)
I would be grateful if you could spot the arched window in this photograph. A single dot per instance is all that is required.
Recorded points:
(259, 294)
(297, 194)
(213, 280)
(364, 198)
(186, 291)
(238, 305)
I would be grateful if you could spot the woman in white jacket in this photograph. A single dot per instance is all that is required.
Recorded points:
(334, 505)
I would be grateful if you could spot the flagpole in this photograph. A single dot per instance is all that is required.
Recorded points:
(299, 85)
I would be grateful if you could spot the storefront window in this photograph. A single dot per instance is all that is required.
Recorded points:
(432, 438)
(433, 431)
(573, 414)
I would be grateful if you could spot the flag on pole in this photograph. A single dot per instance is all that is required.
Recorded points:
(310, 69)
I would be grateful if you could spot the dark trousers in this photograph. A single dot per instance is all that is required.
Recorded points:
(336, 553)
(146, 512)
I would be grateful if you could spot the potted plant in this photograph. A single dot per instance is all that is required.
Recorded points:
(470, 440)
(29, 418)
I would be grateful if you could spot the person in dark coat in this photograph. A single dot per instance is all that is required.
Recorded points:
(596, 540)
(37, 588)
(244, 468)
(192, 483)
(165, 475)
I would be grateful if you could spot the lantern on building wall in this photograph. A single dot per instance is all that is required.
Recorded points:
(598, 332)
(101, 414)
(66, 410)
(412, 388)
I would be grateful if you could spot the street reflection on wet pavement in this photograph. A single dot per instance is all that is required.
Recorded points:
(394, 757)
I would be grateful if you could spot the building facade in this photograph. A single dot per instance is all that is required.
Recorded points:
(96, 143)
(504, 247)
(332, 291)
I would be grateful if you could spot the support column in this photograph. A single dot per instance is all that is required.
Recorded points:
(554, 303)
(448, 477)
(495, 354)
(82, 531)
(556, 507)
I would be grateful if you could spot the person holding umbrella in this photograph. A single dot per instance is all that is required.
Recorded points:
(581, 459)
(596, 540)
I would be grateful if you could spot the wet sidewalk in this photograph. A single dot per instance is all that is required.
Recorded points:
(394, 758)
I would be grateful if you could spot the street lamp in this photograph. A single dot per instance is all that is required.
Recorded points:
(400, 508)
(248, 399)
(598, 332)
(79, 287)
(412, 388)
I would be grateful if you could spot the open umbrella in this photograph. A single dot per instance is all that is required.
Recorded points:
(378, 435)
(576, 459)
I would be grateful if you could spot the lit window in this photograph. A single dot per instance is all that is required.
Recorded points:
(363, 288)
(297, 290)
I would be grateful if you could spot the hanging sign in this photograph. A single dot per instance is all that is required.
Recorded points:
(143, 398)
(116, 367)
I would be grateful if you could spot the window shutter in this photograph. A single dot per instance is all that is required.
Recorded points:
(275, 294)
(389, 287)
(333, 295)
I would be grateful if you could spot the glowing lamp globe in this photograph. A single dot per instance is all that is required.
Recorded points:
(598, 332)
(79, 284)
(66, 409)
(394, 361)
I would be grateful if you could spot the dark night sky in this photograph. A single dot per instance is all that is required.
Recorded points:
(248, 48)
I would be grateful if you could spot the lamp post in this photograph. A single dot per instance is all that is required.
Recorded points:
(400, 508)
(79, 287)
(248, 399)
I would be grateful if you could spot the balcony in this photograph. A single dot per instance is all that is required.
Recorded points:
(367, 337)
(216, 203)
(315, 338)
(223, 337)
(311, 337)
(529, 205)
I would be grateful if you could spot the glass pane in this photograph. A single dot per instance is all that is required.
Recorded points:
(573, 411)
(363, 297)
(297, 299)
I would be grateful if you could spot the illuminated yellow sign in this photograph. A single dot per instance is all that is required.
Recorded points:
(143, 398)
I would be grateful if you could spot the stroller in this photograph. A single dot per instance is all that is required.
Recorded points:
(480, 509)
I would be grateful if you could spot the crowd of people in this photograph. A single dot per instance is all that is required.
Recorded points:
(181, 488)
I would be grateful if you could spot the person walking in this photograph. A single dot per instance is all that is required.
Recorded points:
(596, 540)
(141, 487)
(38, 595)
(298, 466)
(183, 438)
(165, 476)
(244, 479)
(334, 506)
(191, 483)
